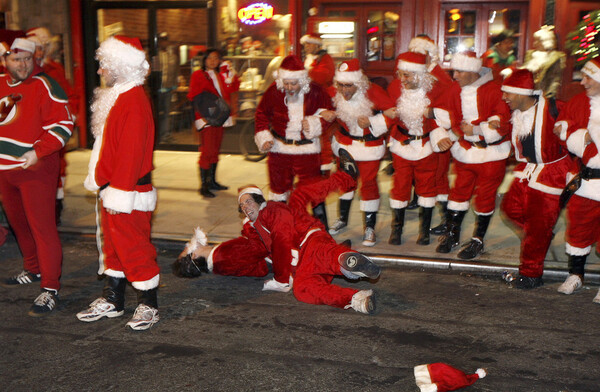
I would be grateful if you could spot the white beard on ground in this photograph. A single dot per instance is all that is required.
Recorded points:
(349, 111)
(412, 106)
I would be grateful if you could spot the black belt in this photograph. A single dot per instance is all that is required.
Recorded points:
(366, 138)
(484, 144)
(411, 137)
(290, 141)
(587, 173)
(145, 180)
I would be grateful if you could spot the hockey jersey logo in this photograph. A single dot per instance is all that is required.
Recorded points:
(8, 109)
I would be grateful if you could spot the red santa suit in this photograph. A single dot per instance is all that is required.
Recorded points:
(211, 137)
(544, 169)
(120, 168)
(480, 159)
(296, 151)
(34, 116)
(366, 145)
(297, 244)
(580, 117)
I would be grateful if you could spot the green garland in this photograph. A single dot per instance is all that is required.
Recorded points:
(584, 41)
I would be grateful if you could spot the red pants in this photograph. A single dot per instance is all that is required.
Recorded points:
(583, 222)
(369, 188)
(210, 145)
(535, 213)
(442, 185)
(480, 180)
(127, 248)
(240, 257)
(283, 168)
(422, 171)
(28, 197)
(317, 267)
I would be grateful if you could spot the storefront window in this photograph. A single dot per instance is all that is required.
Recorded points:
(460, 30)
(381, 35)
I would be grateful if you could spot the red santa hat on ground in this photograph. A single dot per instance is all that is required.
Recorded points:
(592, 69)
(249, 189)
(121, 51)
(291, 68)
(411, 62)
(349, 72)
(466, 62)
(440, 377)
(311, 38)
(40, 35)
(520, 81)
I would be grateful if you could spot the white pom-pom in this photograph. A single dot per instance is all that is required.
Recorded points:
(481, 373)
(198, 239)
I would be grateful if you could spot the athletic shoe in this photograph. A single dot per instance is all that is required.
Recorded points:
(527, 283)
(369, 239)
(359, 265)
(571, 284)
(98, 309)
(337, 227)
(273, 285)
(363, 301)
(347, 163)
(596, 299)
(44, 303)
(143, 318)
(25, 277)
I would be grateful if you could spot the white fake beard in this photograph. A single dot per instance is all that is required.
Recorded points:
(538, 59)
(104, 100)
(522, 127)
(412, 106)
(349, 111)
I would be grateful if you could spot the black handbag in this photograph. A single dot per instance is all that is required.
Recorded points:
(212, 108)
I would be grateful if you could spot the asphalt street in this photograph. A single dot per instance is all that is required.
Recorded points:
(224, 334)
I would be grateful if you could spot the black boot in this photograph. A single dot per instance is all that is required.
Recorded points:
(205, 187)
(148, 297)
(475, 246)
(414, 203)
(577, 265)
(369, 237)
(425, 223)
(214, 185)
(452, 236)
(342, 221)
(320, 213)
(397, 226)
(441, 228)
(114, 292)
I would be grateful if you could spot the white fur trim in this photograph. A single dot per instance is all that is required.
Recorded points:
(311, 40)
(591, 70)
(411, 67)
(261, 138)
(250, 189)
(118, 52)
(458, 206)
(422, 45)
(442, 118)
(590, 189)
(286, 74)
(327, 166)
(359, 151)
(443, 197)
(199, 123)
(348, 76)
(484, 213)
(305, 149)
(426, 202)
(518, 90)
(575, 251)
(481, 155)
(114, 274)
(210, 258)
(462, 62)
(127, 201)
(398, 203)
(378, 125)
(314, 127)
(147, 284)
(369, 205)
(23, 44)
(423, 379)
(278, 196)
(413, 151)
(481, 372)
(347, 196)
(563, 129)
(436, 136)
(576, 142)
(489, 134)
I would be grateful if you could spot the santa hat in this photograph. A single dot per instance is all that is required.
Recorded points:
(246, 189)
(291, 68)
(349, 72)
(18, 45)
(422, 44)
(592, 69)
(520, 82)
(466, 62)
(311, 38)
(411, 62)
(440, 377)
(120, 51)
(40, 35)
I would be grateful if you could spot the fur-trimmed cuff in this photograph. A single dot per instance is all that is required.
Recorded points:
(127, 201)
(489, 134)
(436, 136)
(369, 205)
(576, 142)
(575, 251)
(442, 198)
(209, 259)
(347, 196)
(147, 284)
(315, 127)
(262, 137)
(199, 123)
(398, 203)
(326, 166)
(378, 125)
(457, 206)
(114, 274)
(442, 118)
(278, 196)
(426, 202)
(563, 129)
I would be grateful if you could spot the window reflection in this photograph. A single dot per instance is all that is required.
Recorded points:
(382, 27)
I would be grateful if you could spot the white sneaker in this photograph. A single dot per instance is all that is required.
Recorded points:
(571, 284)
(369, 238)
(337, 226)
(596, 299)
(273, 285)
(98, 309)
(143, 318)
(363, 301)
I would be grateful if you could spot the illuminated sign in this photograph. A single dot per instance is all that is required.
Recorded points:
(255, 13)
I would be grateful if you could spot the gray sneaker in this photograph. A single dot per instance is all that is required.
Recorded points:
(369, 238)
(338, 226)
(44, 303)
(143, 318)
(98, 309)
